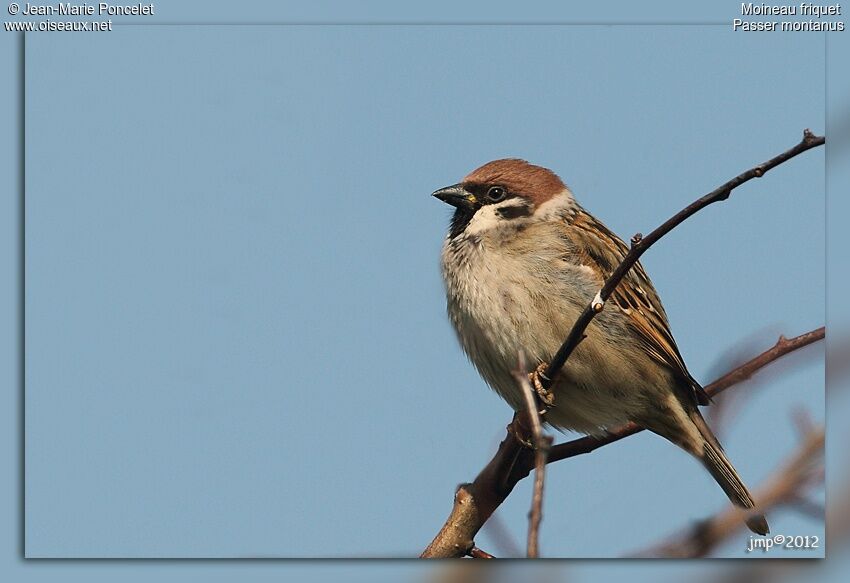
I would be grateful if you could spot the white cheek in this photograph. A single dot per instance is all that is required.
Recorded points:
(485, 219)
(489, 218)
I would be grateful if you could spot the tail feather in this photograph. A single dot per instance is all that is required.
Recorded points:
(724, 473)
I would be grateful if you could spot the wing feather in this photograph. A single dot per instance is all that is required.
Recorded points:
(635, 296)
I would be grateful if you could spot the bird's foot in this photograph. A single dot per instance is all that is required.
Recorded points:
(546, 396)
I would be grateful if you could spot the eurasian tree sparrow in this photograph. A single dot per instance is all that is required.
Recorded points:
(521, 261)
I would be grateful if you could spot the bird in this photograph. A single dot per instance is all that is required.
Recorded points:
(520, 262)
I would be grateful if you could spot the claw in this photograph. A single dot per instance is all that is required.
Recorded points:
(546, 396)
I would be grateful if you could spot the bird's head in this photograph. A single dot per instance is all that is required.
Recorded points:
(502, 193)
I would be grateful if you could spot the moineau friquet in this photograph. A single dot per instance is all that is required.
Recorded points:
(520, 262)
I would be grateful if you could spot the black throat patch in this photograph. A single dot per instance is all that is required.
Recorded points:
(459, 222)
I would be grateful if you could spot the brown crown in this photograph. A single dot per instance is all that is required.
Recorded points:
(536, 183)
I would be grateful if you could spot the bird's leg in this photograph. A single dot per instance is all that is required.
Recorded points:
(546, 396)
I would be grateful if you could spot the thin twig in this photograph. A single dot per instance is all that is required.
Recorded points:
(477, 553)
(541, 443)
(641, 243)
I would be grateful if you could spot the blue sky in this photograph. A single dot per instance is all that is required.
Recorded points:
(232, 287)
(236, 338)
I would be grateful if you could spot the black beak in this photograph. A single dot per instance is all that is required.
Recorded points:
(457, 196)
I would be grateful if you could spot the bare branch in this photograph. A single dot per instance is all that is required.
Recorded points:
(782, 347)
(475, 502)
(641, 243)
(541, 443)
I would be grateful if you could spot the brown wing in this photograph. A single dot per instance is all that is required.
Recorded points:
(635, 296)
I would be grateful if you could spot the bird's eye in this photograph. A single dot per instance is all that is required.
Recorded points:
(496, 193)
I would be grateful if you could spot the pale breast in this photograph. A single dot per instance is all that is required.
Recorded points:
(513, 296)
(500, 302)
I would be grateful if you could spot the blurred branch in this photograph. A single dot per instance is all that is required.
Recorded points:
(497, 532)
(513, 461)
(808, 507)
(784, 488)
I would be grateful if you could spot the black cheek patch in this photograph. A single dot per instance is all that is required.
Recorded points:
(515, 211)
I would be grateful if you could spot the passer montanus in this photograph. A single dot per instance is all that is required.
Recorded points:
(521, 261)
